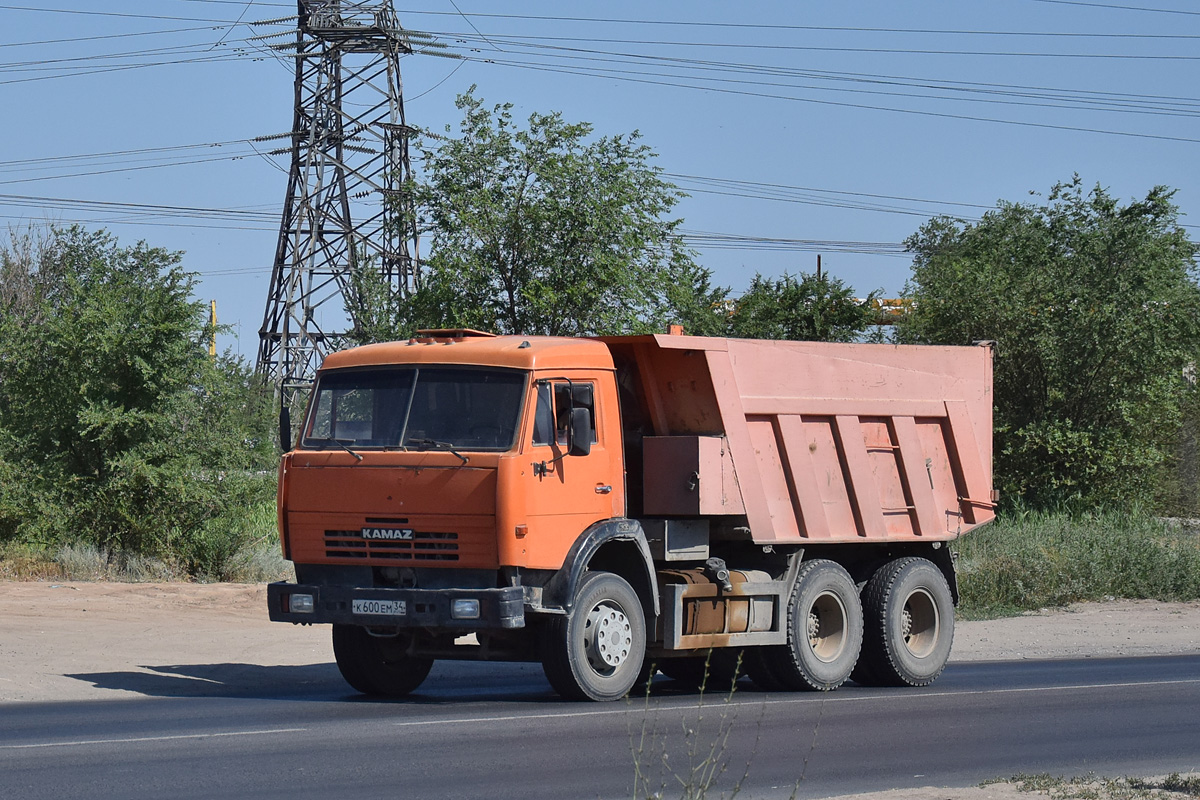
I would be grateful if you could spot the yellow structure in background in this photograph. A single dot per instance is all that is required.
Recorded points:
(212, 330)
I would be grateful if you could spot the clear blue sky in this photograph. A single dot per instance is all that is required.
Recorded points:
(851, 123)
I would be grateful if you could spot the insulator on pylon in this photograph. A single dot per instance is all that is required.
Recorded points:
(288, 135)
(278, 21)
(275, 35)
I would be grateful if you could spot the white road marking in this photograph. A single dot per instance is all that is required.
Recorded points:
(605, 712)
(83, 742)
(808, 698)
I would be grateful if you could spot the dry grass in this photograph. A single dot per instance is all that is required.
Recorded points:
(27, 564)
(1091, 787)
(255, 562)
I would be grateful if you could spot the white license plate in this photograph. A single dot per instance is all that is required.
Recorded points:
(390, 608)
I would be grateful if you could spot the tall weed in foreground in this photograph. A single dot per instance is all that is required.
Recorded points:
(702, 752)
(1026, 561)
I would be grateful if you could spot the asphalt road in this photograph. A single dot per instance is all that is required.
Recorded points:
(497, 731)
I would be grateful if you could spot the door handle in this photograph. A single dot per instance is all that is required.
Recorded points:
(603, 489)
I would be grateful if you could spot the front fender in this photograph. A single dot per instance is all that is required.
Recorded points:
(617, 545)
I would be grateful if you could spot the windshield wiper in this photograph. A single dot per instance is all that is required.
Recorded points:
(434, 444)
(339, 442)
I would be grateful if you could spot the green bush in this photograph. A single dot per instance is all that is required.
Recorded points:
(117, 429)
(239, 544)
(1094, 306)
(1026, 561)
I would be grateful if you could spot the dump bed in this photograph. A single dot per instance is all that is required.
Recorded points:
(811, 442)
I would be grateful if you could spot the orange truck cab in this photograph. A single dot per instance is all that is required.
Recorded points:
(613, 507)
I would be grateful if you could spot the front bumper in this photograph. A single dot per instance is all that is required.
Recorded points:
(422, 608)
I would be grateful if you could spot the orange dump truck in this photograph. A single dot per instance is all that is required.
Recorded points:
(618, 505)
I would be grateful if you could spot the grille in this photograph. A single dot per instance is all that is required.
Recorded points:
(424, 546)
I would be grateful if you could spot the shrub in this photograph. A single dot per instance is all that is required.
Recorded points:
(1026, 561)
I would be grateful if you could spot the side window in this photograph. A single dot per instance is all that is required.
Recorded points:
(563, 404)
(554, 403)
(543, 420)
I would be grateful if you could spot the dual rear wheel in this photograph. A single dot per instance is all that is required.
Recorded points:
(824, 629)
(897, 631)
(909, 622)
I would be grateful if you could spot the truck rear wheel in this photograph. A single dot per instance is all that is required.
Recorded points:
(377, 665)
(909, 624)
(596, 651)
(825, 631)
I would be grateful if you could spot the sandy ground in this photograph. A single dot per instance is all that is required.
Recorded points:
(95, 641)
(74, 641)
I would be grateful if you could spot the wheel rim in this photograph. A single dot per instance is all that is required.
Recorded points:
(827, 627)
(607, 638)
(920, 624)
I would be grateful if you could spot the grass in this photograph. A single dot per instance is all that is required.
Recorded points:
(701, 749)
(1091, 787)
(240, 548)
(1028, 561)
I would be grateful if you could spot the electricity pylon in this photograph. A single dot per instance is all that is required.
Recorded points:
(346, 212)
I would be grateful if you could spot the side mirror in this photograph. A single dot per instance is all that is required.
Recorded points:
(285, 427)
(579, 433)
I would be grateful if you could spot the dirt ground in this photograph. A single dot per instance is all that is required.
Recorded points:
(95, 641)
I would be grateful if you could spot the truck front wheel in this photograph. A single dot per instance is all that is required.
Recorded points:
(909, 624)
(825, 631)
(377, 665)
(596, 651)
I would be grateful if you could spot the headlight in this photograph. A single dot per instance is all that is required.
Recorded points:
(300, 603)
(465, 609)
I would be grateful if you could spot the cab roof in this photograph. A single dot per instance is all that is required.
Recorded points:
(479, 349)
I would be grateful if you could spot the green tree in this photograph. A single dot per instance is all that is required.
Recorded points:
(1093, 305)
(546, 230)
(815, 308)
(701, 308)
(115, 425)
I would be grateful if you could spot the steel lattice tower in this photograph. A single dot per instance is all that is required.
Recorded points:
(345, 210)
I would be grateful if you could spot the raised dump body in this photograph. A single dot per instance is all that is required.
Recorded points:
(621, 506)
(815, 442)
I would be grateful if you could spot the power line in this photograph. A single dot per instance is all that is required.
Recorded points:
(1096, 101)
(994, 94)
(1122, 8)
(99, 37)
(843, 48)
(127, 169)
(630, 77)
(736, 25)
(111, 14)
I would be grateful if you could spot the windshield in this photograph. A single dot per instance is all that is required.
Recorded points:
(421, 408)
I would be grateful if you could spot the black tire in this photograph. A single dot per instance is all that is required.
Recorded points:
(909, 624)
(641, 684)
(715, 671)
(596, 651)
(377, 665)
(825, 630)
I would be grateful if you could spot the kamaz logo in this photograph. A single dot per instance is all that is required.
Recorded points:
(388, 534)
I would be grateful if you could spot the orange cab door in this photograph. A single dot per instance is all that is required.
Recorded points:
(564, 494)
